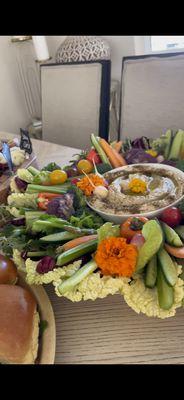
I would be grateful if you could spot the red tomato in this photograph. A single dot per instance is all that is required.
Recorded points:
(93, 156)
(171, 216)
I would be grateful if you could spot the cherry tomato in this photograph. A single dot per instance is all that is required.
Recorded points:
(8, 271)
(58, 176)
(171, 216)
(85, 165)
(132, 226)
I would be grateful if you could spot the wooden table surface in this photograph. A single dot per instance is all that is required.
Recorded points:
(107, 331)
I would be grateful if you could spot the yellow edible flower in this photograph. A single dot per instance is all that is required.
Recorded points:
(137, 186)
(152, 153)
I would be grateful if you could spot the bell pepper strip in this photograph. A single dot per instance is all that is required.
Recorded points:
(44, 198)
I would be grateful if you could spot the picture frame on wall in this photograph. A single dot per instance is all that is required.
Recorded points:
(75, 101)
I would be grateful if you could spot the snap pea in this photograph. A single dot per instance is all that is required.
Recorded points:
(171, 236)
(167, 266)
(151, 272)
(180, 231)
(165, 292)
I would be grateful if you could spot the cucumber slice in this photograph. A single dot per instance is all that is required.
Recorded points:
(77, 252)
(165, 292)
(171, 236)
(58, 237)
(151, 272)
(168, 141)
(167, 266)
(176, 145)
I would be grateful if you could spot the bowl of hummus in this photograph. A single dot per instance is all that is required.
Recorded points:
(139, 190)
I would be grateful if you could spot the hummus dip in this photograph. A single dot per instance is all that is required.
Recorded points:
(163, 187)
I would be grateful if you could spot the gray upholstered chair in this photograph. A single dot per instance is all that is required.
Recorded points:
(152, 95)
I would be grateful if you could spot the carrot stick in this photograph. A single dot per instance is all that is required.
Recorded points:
(109, 152)
(118, 145)
(75, 242)
(177, 252)
(121, 160)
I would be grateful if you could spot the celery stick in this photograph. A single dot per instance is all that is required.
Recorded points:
(77, 277)
(58, 237)
(49, 189)
(76, 252)
(33, 170)
(36, 253)
(100, 151)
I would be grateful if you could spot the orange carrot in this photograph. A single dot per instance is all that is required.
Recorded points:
(177, 252)
(109, 153)
(77, 241)
(118, 145)
(119, 157)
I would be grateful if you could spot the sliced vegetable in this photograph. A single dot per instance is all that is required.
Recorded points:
(101, 153)
(165, 292)
(153, 235)
(58, 237)
(76, 252)
(176, 145)
(171, 236)
(34, 171)
(93, 156)
(109, 153)
(175, 251)
(77, 277)
(118, 145)
(44, 198)
(76, 242)
(151, 273)
(168, 141)
(121, 160)
(42, 178)
(180, 231)
(60, 189)
(168, 267)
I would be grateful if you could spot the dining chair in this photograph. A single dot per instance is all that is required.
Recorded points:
(151, 95)
(75, 102)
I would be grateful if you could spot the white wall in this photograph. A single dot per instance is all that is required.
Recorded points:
(13, 111)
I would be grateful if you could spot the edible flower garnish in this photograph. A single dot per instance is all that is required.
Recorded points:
(115, 256)
(152, 153)
(88, 183)
(136, 185)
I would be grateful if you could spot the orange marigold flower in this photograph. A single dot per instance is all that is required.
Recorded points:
(85, 185)
(115, 256)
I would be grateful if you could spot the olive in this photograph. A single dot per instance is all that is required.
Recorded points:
(8, 271)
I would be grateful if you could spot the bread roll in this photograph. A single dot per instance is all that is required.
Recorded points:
(19, 325)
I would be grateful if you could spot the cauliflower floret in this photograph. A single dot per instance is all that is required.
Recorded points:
(25, 175)
(93, 287)
(33, 277)
(13, 211)
(18, 156)
(14, 188)
(23, 200)
(18, 260)
(145, 300)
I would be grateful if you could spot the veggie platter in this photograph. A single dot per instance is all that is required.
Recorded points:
(48, 231)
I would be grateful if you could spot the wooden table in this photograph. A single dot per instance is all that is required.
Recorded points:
(107, 331)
